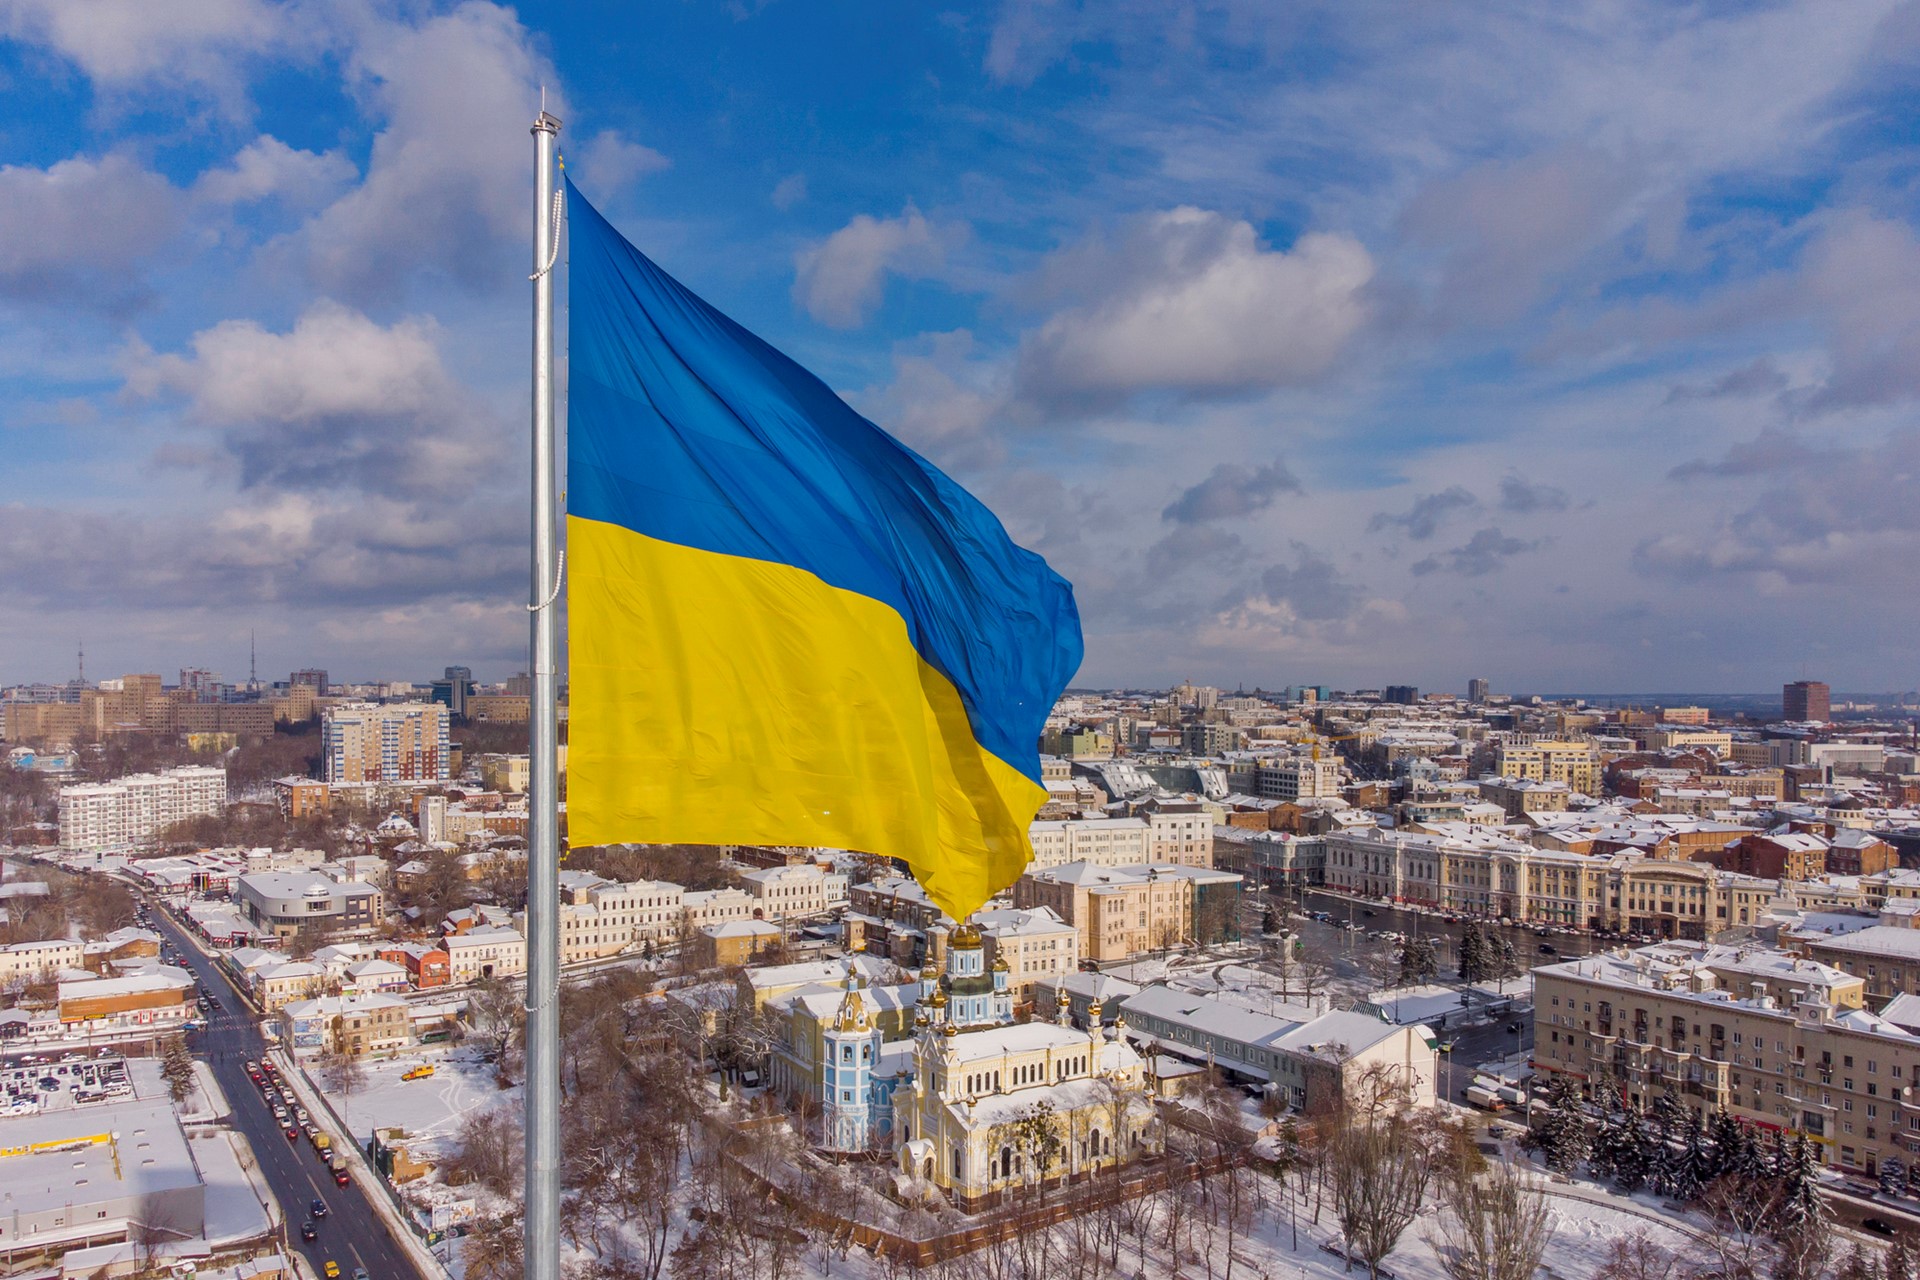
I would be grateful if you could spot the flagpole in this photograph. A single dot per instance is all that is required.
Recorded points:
(542, 1222)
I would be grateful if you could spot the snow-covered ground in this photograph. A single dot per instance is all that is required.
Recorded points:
(430, 1109)
(234, 1208)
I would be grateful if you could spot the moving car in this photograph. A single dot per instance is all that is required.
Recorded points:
(332, 1269)
(420, 1072)
(318, 1208)
(306, 1230)
(1879, 1226)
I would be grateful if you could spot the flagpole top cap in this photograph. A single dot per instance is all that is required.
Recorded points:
(546, 123)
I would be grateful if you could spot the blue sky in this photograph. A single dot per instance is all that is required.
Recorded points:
(1575, 346)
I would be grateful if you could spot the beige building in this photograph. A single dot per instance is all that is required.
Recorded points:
(797, 891)
(134, 808)
(492, 951)
(1036, 946)
(1104, 842)
(1120, 912)
(1776, 1040)
(37, 959)
(1885, 957)
(359, 1026)
(1577, 764)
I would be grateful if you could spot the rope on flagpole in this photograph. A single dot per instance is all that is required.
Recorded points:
(559, 572)
(553, 257)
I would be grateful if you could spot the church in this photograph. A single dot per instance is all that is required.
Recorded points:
(971, 1103)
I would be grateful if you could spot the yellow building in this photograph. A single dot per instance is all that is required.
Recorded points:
(1575, 763)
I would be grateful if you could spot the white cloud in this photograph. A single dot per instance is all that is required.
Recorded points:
(839, 281)
(338, 401)
(1190, 301)
(610, 161)
(124, 43)
(81, 219)
(446, 184)
(269, 169)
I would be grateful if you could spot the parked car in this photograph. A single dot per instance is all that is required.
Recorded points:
(1879, 1226)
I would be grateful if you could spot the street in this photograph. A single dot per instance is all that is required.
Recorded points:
(351, 1234)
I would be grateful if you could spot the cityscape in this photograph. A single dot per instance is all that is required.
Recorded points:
(1011, 640)
(1640, 951)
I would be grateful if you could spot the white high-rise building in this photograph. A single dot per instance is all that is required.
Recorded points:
(131, 809)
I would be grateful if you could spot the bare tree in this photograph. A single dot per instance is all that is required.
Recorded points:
(343, 1072)
(1377, 1181)
(1492, 1226)
(1744, 1212)
(1635, 1257)
(499, 1018)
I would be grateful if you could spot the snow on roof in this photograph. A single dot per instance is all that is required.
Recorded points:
(994, 1042)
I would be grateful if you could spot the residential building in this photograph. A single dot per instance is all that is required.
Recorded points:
(488, 951)
(1104, 842)
(1775, 1040)
(134, 808)
(359, 1026)
(1575, 764)
(1298, 778)
(1122, 912)
(737, 942)
(798, 891)
(1521, 797)
(37, 959)
(1034, 946)
(1885, 957)
(385, 742)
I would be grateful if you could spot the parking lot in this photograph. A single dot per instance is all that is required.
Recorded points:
(33, 1083)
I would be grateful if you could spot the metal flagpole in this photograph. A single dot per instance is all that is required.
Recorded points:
(542, 1222)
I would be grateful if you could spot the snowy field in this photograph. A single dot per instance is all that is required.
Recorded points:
(432, 1108)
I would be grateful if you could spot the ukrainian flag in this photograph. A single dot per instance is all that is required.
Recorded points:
(785, 627)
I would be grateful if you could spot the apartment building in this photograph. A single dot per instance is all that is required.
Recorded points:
(37, 959)
(490, 951)
(1776, 1040)
(1104, 842)
(1483, 873)
(1576, 764)
(385, 742)
(1885, 957)
(134, 808)
(1037, 946)
(1297, 778)
(1522, 797)
(359, 1026)
(1122, 912)
(798, 891)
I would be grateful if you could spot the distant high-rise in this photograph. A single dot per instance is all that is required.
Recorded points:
(520, 685)
(198, 683)
(1807, 700)
(394, 742)
(315, 678)
(1402, 694)
(1477, 690)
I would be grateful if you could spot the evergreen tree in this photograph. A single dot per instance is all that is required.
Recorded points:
(1270, 923)
(1560, 1136)
(1893, 1176)
(1668, 1124)
(1898, 1262)
(1856, 1266)
(1779, 1157)
(1473, 954)
(1636, 1155)
(1727, 1153)
(176, 1068)
(1417, 962)
(1693, 1164)
(1800, 1201)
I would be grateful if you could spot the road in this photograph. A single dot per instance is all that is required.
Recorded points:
(1376, 915)
(351, 1234)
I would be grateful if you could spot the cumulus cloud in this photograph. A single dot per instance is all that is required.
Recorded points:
(840, 280)
(1524, 497)
(446, 182)
(1189, 546)
(1311, 587)
(269, 169)
(1843, 519)
(1773, 450)
(1190, 301)
(1427, 514)
(1480, 555)
(82, 227)
(120, 44)
(615, 161)
(337, 401)
(1231, 490)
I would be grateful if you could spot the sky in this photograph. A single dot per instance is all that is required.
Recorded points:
(1575, 346)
